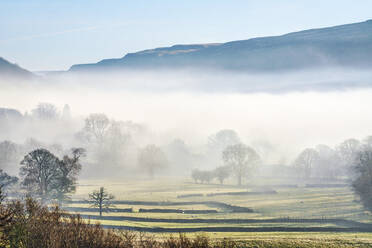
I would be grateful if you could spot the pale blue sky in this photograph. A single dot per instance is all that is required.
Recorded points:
(54, 34)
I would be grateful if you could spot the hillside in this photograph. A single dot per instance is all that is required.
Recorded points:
(346, 45)
(9, 70)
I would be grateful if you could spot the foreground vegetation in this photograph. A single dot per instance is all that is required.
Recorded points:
(28, 224)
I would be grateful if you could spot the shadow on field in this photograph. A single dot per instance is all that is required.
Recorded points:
(215, 204)
(342, 222)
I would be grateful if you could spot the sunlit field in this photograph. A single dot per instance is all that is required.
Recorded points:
(277, 206)
(299, 214)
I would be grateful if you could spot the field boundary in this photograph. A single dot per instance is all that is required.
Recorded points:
(231, 221)
(221, 205)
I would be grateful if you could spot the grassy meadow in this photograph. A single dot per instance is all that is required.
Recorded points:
(295, 212)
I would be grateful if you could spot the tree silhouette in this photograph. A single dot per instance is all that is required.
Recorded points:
(102, 200)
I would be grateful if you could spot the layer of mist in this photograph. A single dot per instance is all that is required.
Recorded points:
(277, 114)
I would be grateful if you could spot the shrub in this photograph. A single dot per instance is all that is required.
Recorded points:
(28, 224)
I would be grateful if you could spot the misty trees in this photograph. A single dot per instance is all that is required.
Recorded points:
(48, 177)
(362, 184)
(348, 152)
(328, 162)
(96, 126)
(218, 142)
(223, 139)
(101, 199)
(108, 141)
(8, 154)
(178, 153)
(66, 112)
(222, 173)
(116, 143)
(195, 175)
(305, 162)
(202, 176)
(323, 161)
(151, 159)
(242, 159)
(45, 111)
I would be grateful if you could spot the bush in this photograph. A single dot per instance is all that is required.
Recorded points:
(30, 225)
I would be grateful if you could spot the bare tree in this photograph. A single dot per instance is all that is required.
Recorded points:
(45, 111)
(305, 162)
(115, 144)
(348, 150)
(152, 158)
(242, 159)
(222, 173)
(96, 126)
(102, 200)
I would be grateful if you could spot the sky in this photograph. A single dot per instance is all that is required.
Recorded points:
(44, 35)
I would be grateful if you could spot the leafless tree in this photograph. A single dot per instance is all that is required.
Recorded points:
(96, 126)
(242, 159)
(151, 159)
(115, 144)
(348, 151)
(102, 200)
(45, 111)
(306, 161)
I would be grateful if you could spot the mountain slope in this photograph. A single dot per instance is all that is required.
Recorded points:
(9, 70)
(345, 45)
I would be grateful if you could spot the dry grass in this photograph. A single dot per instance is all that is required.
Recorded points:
(30, 225)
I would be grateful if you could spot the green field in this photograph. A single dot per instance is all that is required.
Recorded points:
(301, 209)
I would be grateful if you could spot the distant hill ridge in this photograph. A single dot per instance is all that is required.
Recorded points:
(346, 45)
(8, 69)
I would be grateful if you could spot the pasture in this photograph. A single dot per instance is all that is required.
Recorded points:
(285, 212)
